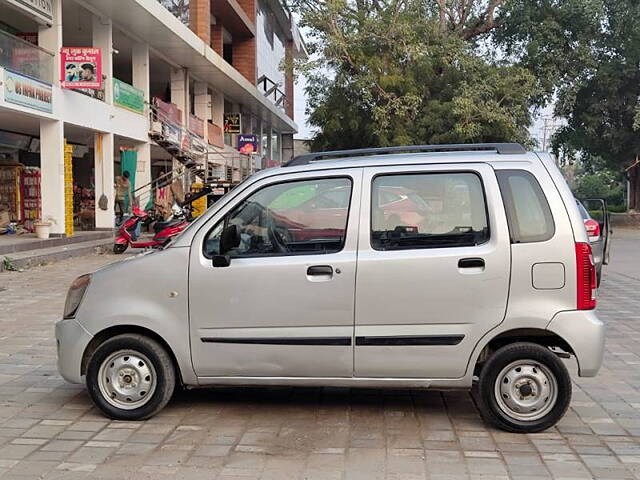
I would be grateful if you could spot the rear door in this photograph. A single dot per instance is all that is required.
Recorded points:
(597, 208)
(431, 279)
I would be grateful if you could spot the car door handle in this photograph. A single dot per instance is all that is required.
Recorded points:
(471, 263)
(320, 270)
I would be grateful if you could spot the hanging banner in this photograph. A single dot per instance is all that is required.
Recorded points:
(247, 144)
(68, 190)
(128, 96)
(41, 10)
(232, 123)
(27, 92)
(81, 67)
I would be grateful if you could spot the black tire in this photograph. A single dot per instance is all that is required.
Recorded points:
(157, 356)
(504, 357)
(119, 248)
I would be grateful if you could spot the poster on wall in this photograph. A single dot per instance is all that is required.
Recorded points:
(232, 123)
(81, 67)
(247, 144)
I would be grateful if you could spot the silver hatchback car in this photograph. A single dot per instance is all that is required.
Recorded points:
(441, 267)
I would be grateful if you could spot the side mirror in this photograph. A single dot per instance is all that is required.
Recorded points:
(229, 239)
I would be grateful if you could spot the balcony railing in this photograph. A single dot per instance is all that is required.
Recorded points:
(25, 58)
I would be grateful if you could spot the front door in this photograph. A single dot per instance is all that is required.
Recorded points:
(433, 269)
(284, 306)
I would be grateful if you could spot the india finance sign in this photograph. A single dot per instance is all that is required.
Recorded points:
(41, 10)
(27, 92)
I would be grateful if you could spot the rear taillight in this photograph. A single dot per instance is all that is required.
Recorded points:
(586, 277)
(593, 228)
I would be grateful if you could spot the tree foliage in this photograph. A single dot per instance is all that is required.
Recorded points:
(392, 72)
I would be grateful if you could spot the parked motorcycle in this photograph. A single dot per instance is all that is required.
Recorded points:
(164, 230)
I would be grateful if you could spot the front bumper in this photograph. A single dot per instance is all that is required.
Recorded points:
(584, 332)
(72, 340)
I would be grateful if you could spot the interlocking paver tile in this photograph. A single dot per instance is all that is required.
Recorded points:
(50, 429)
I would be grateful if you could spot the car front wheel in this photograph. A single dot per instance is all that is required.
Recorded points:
(524, 387)
(130, 377)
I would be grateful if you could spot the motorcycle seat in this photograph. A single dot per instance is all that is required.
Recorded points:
(159, 226)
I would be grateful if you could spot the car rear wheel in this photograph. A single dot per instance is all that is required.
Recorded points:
(130, 377)
(524, 387)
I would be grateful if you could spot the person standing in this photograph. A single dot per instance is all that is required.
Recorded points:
(123, 190)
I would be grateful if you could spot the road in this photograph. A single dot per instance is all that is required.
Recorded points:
(49, 429)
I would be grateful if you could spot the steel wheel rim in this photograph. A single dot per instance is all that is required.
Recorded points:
(127, 379)
(526, 390)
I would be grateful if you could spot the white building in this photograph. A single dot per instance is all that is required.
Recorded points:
(187, 70)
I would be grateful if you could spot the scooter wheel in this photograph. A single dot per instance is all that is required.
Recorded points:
(119, 248)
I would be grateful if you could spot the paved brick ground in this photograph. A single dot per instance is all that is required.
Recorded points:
(49, 429)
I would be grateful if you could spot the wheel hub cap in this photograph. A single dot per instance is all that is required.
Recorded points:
(127, 379)
(526, 390)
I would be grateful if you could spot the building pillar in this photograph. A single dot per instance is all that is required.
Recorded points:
(287, 147)
(244, 50)
(217, 38)
(180, 92)
(52, 173)
(202, 105)
(200, 19)
(104, 167)
(103, 38)
(50, 38)
(143, 174)
(288, 80)
(140, 68)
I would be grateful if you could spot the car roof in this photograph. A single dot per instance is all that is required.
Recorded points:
(395, 159)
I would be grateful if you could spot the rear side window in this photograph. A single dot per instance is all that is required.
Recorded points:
(527, 209)
(432, 210)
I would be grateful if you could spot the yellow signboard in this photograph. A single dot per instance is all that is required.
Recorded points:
(68, 190)
(199, 205)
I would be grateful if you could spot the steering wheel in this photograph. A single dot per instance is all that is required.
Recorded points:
(279, 244)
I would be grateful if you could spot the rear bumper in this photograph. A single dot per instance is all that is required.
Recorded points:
(584, 332)
(72, 340)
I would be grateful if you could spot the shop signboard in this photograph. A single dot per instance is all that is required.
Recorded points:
(81, 67)
(128, 96)
(27, 92)
(247, 143)
(41, 10)
(232, 123)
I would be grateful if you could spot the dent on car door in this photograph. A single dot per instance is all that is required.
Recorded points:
(283, 307)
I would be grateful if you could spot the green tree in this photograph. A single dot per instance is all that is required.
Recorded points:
(587, 52)
(392, 72)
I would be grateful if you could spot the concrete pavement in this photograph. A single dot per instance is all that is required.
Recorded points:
(49, 429)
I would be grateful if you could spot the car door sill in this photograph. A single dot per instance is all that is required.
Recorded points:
(370, 382)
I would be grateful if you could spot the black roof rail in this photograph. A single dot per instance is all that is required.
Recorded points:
(501, 148)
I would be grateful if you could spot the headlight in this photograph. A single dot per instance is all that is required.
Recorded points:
(75, 294)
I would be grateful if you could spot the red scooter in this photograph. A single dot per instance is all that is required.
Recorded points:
(164, 231)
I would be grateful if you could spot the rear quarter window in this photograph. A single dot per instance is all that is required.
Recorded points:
(526, 206)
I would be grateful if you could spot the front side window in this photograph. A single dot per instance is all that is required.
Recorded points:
(427, 211)
(305, 217)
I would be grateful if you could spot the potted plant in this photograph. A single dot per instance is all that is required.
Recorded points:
(42, 227)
